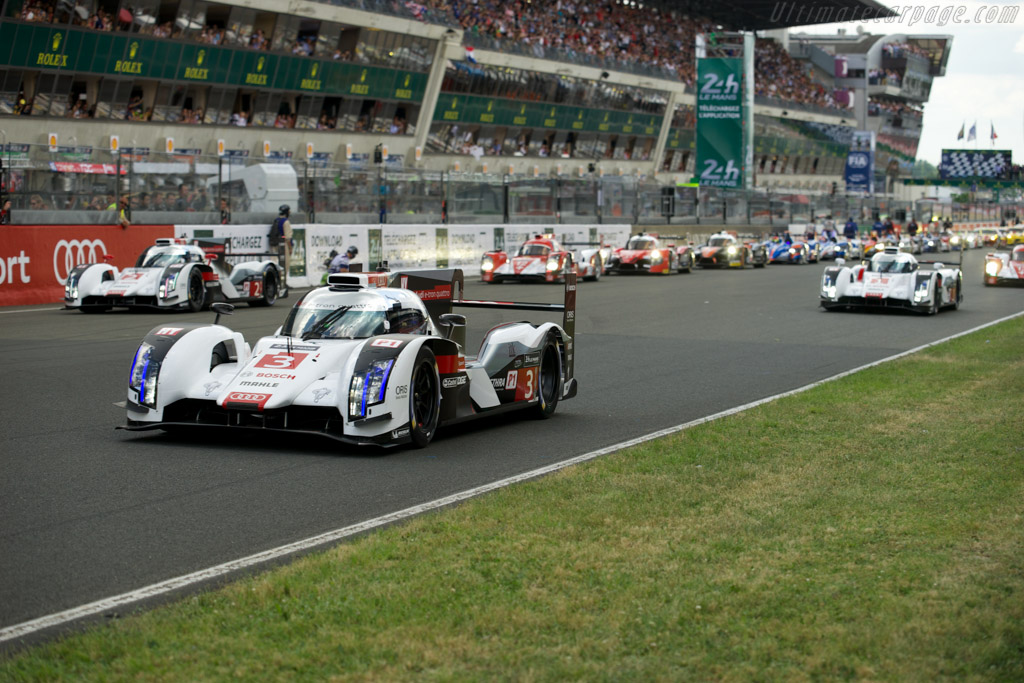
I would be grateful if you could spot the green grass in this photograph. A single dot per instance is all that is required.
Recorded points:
(871, 528)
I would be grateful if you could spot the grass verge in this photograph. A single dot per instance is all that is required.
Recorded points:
(871, 528)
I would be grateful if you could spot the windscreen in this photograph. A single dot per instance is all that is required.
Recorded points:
(640, 243)
(719, 241)
(332, 315)
(163, 259)
(534, 250)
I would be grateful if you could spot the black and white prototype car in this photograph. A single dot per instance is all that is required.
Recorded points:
(175, 274)
(357, 361)
(892, 279)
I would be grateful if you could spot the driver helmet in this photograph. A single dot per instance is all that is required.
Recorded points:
(352, 251)
(284, 209)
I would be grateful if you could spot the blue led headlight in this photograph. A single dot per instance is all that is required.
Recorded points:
(167, 285)
(142, 377)
(367, 389)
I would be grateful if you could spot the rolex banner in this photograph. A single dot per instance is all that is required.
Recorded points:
(720, 152)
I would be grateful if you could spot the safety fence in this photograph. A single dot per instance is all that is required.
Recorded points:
(83, 185)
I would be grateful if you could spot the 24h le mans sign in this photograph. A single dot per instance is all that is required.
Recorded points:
(720, 152)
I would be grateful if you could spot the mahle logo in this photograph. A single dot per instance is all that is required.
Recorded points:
(714, 87)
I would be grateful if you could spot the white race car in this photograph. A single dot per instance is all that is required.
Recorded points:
(174, 275)
(356, 361)
(892, 279)
(1003, 268)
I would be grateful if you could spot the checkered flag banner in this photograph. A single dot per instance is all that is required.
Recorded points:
(971, 163)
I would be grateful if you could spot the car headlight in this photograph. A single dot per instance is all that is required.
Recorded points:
(993, 267)
(656, 257)
(487, 265)
(554, 263)
(731, 251)
(167, 284)
(368, 389)
(955, 240)
(921, 293)
(142, 377)
(792, 251)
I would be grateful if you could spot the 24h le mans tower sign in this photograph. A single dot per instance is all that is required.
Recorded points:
(721, 153)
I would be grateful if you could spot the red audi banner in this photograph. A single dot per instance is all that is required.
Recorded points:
(35, 259)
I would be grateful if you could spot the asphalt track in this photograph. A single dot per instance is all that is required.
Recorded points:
(87, 512)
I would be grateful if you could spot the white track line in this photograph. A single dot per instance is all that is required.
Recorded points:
(158, 589)
(32, 310)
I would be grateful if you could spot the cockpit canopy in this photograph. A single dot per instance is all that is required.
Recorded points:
(357, 314)
(639, 242)
(161, 257)
(534, 249)
(892, 263)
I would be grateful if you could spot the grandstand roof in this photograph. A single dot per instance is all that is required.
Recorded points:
(759, 15)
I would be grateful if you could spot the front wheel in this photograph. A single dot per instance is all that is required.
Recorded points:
(549, 379)
(424, 399)
(959, 297)
(196, 291)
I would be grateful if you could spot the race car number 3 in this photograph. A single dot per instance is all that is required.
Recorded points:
(281, 361)
(523, 382)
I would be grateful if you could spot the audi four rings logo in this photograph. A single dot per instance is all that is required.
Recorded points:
(238, 396)
(68, 254)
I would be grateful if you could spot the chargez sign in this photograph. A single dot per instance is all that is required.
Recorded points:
(721, 151)
(35, 260)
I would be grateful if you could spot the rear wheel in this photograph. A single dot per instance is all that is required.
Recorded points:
(549, 377)
(424, 398)
(196, 292)
(270, 290)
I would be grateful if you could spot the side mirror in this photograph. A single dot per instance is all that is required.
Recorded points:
(454, 324)
(221, 308)
(840, 262)
(937, 266)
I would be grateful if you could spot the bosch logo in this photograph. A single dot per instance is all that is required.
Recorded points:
(858, 161)
(239, 396)
(68, 254)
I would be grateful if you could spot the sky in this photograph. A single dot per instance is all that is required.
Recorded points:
(984, 79)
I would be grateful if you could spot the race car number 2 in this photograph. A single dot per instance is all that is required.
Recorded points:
(281, 361)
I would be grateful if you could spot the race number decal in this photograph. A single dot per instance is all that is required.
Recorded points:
(523, 382)
(252, 288)
(281, 361)
(168, 331)
(387, 343)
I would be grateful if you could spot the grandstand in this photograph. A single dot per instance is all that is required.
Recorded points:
(890, 79)
(489, 88)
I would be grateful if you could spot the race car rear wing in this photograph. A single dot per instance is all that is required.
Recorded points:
(437, 290)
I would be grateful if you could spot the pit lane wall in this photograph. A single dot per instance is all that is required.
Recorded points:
(35, 260)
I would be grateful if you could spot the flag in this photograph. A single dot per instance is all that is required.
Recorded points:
(960, 135)
(973, 132)
(469, 55)
(994, 136)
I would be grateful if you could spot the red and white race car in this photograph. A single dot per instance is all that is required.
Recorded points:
(649, 253)
(543, 259)
(1005, 269)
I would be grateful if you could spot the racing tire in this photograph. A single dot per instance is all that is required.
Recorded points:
(933, 308)
(270, 290)
(196, 291)
(549, 379)
(959, 298)
(424, 398)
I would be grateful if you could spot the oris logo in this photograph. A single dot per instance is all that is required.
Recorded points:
(68, 254)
